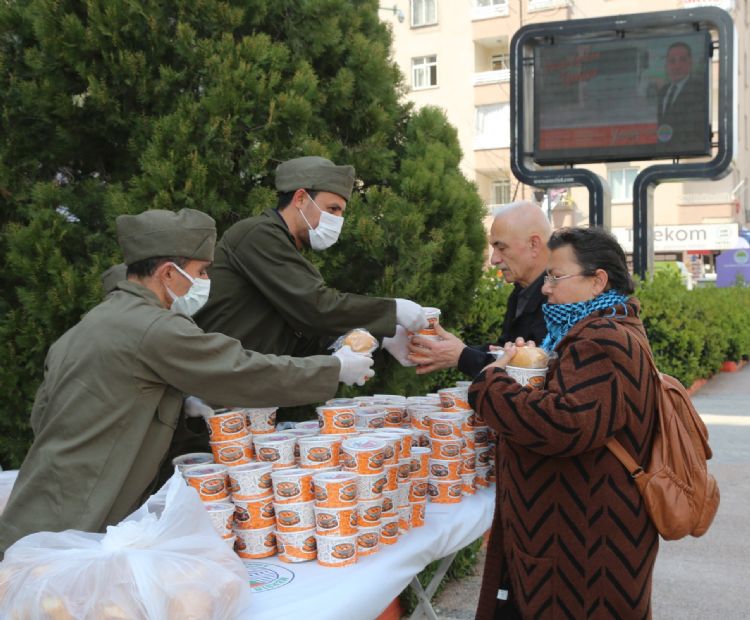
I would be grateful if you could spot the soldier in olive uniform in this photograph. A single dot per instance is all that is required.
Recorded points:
(114, 384)
(271, 298)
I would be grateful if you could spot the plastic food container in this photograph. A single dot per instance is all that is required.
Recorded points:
(336, 420)
(335, 489)
(250, 481)
(209, 480)
(229, 425)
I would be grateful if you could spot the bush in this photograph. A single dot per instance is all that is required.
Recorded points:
(693, 332)
(116, 106)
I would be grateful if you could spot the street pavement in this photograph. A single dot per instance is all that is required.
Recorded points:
(703, 578)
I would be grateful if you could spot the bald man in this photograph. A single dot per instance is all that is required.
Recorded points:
(518, 237)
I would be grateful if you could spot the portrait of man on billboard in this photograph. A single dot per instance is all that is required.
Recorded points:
(683, 99)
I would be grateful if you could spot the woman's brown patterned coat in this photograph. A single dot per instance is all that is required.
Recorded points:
(570, 537)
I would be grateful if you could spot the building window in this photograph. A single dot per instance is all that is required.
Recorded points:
(423, 13)
(488, 9)
(423, 72)
(493, 126)
(500, 62)
(621, 183)
(501, 192)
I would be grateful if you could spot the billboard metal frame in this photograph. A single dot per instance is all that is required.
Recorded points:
(522, 114)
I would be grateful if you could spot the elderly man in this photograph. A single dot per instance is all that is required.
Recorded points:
(114, 383)
(518, 237)
(271, 298)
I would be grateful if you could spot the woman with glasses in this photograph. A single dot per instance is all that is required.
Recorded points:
(570, 537)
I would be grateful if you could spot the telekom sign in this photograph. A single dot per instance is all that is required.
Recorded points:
(684, 238)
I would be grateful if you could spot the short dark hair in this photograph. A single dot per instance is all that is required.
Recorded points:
(284, 198)
(681, 44)
(596, 248)
(146, 267)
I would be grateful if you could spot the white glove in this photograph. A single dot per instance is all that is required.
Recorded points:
(410, 315)
(356, 368)
(398, 346)
(195, 408)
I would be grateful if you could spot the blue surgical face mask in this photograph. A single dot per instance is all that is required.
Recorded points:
(328, 230)
(195, 298)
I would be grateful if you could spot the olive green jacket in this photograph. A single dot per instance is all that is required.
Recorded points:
(266, 294)
(106, 411)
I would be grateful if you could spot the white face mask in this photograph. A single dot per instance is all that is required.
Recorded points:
(195, 298)
(328, 230)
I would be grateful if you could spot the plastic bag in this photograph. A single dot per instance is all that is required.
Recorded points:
(358, 340)
(165, 561)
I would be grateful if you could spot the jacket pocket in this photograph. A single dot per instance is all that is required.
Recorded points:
(170, 406)
(532, 582)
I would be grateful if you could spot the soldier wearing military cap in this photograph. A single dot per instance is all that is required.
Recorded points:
(269, 296)
(114, 384)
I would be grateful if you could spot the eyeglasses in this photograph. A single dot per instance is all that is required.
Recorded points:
(553, 280)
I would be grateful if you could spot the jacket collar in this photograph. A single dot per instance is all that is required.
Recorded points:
(133, 288)
(274, 216)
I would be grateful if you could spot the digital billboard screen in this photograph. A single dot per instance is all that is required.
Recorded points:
(622, 99)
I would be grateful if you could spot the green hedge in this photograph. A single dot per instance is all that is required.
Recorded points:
(693, 332)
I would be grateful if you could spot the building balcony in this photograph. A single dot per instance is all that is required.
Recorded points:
(489, 12)
(546, 5)
(491, 77)
(727, 5)
(720, 198)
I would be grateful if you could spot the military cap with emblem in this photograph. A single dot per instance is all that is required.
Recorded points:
(315, 173)
(187, 233)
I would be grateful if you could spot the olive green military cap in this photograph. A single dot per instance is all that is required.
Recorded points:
(315, 173)
(187, 233)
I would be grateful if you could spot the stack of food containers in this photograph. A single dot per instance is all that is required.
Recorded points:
(295, 518)
(254, 518)
(336, 517)
(365, 456)
(230, 438)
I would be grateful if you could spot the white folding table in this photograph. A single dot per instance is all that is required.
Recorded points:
(362, 591)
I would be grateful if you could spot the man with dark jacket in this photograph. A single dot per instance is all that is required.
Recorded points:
(682, 112)
(518, 237)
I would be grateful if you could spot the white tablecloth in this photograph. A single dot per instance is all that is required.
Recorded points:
(307, 591)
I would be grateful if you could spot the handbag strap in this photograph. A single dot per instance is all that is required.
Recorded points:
(622, 455)
(613, 444)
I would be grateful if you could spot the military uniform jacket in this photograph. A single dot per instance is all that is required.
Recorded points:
(272, 299)
(112, 392)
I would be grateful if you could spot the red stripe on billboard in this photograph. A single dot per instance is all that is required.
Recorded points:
(597, 137)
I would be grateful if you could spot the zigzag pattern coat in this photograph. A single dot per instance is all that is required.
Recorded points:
(570, 536)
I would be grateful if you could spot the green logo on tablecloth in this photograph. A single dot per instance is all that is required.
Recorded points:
(266, 576)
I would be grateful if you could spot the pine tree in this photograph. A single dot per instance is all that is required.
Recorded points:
(116, 106)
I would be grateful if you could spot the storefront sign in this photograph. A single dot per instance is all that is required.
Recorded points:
(685, 238)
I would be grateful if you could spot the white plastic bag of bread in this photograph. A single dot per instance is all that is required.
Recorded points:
(163, 561)
(359, 340)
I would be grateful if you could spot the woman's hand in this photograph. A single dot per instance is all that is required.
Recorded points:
(509, 350)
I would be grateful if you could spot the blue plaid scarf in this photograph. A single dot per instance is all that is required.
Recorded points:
(561, 317)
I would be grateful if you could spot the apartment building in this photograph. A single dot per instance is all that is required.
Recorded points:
(454, 54)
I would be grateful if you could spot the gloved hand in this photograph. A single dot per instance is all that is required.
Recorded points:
(195, 408)
(398, 346)
(410, 315)
(356, 368)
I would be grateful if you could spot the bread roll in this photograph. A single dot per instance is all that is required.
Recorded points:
(360, 341)
(529, 357)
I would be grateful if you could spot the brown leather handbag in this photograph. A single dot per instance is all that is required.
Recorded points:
(679, 494)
